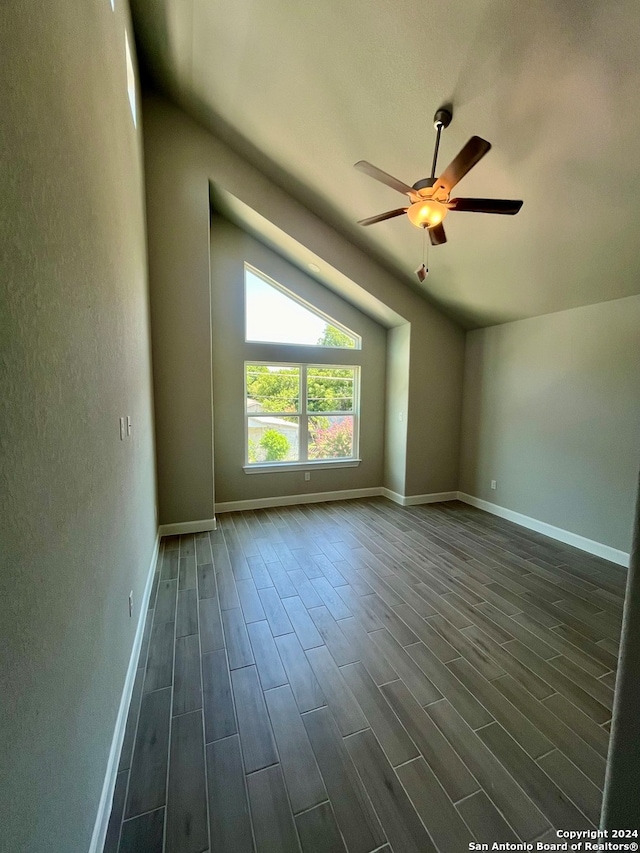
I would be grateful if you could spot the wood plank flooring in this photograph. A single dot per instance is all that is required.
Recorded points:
(355, 676)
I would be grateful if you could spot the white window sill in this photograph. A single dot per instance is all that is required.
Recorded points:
(278, 467)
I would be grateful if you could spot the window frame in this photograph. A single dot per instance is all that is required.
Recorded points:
(304, 304)
(303, 463)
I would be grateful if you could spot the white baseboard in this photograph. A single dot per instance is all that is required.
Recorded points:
(414, 500)
(104, 807)
(188, 527)
(581, 542)
(291, 500)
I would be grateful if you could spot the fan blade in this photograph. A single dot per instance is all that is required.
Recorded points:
(382, 216)
(472, 153)
(437, 235)
(383, 177)
(486, 205)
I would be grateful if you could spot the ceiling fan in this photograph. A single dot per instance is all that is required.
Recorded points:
(430, 197)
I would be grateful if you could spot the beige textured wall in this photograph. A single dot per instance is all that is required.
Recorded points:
(76, 503)
(181, 158)
(552, 413)
(230, 248)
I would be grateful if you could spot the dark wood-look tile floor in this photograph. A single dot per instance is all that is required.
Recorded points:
(362, 677)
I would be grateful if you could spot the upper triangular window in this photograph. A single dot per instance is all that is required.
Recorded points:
(275, 315)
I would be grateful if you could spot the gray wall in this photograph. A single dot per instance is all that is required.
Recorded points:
(77, 504)
(436, 364)
(397, 407)
(552, 412)
(178, 237)
(180, 159)
(620, 801)
(230, 248)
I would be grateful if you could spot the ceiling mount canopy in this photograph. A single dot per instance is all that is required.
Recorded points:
(430, 197)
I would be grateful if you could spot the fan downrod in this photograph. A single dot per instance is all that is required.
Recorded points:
(441, 119)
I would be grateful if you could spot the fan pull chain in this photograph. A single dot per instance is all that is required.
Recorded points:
(423, 271)
(426, 242)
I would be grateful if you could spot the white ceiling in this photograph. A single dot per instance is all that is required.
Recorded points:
(305, 89)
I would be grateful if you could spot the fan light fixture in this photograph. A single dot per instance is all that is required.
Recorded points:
(430, 198)
(427, 214)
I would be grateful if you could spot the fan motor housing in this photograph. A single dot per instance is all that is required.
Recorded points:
(426, 188)
(425, 183)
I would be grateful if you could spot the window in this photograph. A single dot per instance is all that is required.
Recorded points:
(275, 315)
(301, 414)
(296, 414)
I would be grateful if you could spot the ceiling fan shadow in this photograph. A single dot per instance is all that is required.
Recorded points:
(518, 55)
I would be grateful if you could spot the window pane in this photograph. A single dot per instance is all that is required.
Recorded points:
(273, 439)
(274, 316)
(272, 388)
(331, 437)
(330, 389)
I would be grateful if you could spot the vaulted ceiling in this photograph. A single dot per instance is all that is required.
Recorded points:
(305, 89)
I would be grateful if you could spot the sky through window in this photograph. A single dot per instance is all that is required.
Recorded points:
(274, 317)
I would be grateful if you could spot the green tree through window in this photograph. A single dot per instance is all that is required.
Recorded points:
(273, 390)
(329, 389)
(333, 337)
(275, 444)
(301, 412)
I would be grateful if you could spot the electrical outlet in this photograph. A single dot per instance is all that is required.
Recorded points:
(307, 475)
(131, 604)
(494, 484)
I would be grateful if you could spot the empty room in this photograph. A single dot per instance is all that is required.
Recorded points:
(319, 506)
